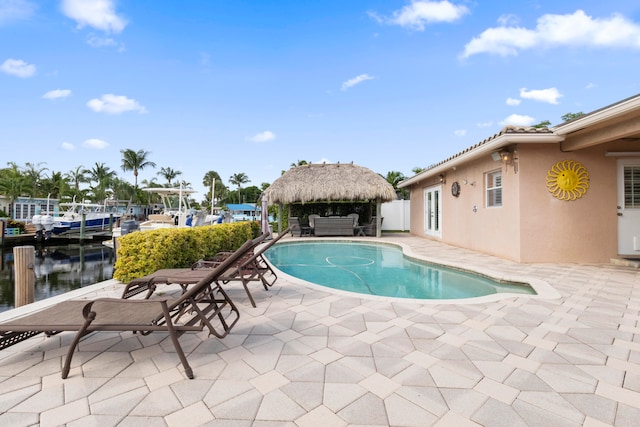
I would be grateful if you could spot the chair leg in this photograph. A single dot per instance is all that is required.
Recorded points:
(89, 316)
(176, 344)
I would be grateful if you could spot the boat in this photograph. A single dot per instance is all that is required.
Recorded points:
(96, 217)
(174, 210)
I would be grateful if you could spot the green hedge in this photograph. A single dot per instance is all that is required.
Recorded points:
(142, 253)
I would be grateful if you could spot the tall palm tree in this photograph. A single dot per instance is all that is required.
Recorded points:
(168, 174)
(135, 161)
(238, 179)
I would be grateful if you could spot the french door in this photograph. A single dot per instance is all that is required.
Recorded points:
(629, 207)
(433, 211)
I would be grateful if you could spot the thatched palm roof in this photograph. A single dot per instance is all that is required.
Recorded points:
(329, 182)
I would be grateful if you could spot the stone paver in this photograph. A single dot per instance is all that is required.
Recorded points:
(310, 356)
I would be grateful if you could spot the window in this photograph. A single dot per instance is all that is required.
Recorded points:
(493, 184)
(631, 187)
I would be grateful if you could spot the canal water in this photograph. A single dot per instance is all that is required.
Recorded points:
(58, 269)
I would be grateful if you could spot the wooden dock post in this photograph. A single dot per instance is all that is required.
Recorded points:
(24, 258)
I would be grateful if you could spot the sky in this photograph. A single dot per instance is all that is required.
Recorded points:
(255, 86)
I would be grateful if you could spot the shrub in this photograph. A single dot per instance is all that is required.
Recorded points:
(142, 253)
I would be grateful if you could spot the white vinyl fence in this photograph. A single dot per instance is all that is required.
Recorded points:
(396, 215)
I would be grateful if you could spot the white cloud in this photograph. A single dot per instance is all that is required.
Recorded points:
(460, 132)
(577, 29)
(485, 124)
(57, 93)
(518, 120)
(19, 68)
(419, 13)
(263, 136)
(590, 86)
(115, 104)
(98, 144)
(97, 41)
(549, 96)
(355, 81)
(513, 102)
(67, 146)
(14, 10)
(99, 14)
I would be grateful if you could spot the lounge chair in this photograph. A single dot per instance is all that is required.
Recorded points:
(192, 311)
(253, 268)
(182, 276)
(250, 267)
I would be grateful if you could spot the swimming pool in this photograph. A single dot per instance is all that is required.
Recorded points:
(383, 270)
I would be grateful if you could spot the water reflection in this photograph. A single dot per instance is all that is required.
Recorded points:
(58, 269)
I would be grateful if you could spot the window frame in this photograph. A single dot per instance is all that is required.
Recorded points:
(493, 195)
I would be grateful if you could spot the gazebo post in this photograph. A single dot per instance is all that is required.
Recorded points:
(280, 212)
(378, 218)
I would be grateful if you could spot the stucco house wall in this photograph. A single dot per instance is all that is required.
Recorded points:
(533, 225)
(469, 223)
(583, 230)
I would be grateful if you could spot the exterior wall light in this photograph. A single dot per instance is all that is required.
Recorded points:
(441, 178)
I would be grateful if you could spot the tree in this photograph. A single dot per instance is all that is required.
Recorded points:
(543, 124)
(394, 178)
(55, 185)
(169, 174)
(213, 181)
(103, 176)
(238, 179)
(135, 161)
(418, 169)
(13, 183)
(34, 174)
(75, 178)
(571, 116)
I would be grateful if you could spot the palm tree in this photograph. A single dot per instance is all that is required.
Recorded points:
(238, 179)
(103, 176)
(169, 174)
(394, 178)
(34, 174)
(55, 185)
(13, 183)
(212, 179)
(77, 177)
(135, 161)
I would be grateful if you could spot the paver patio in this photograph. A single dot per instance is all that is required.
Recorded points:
(308, 356)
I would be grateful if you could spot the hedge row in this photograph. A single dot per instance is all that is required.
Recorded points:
(142, 253)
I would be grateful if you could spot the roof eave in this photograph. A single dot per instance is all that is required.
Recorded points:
(482, 150)
(598, 116)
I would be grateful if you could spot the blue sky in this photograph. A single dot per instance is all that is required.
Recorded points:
(254, 86)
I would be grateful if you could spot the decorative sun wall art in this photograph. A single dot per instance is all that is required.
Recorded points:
(568, 180)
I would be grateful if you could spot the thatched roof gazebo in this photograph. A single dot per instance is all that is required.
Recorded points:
(330, 182)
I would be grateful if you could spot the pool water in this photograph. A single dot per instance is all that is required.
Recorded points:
(381, 270)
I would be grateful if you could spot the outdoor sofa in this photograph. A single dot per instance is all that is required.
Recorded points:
(333, 226)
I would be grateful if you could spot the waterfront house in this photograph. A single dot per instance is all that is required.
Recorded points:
(568, 193)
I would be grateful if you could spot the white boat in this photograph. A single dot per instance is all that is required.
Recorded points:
(173, 211)
(96, 217)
